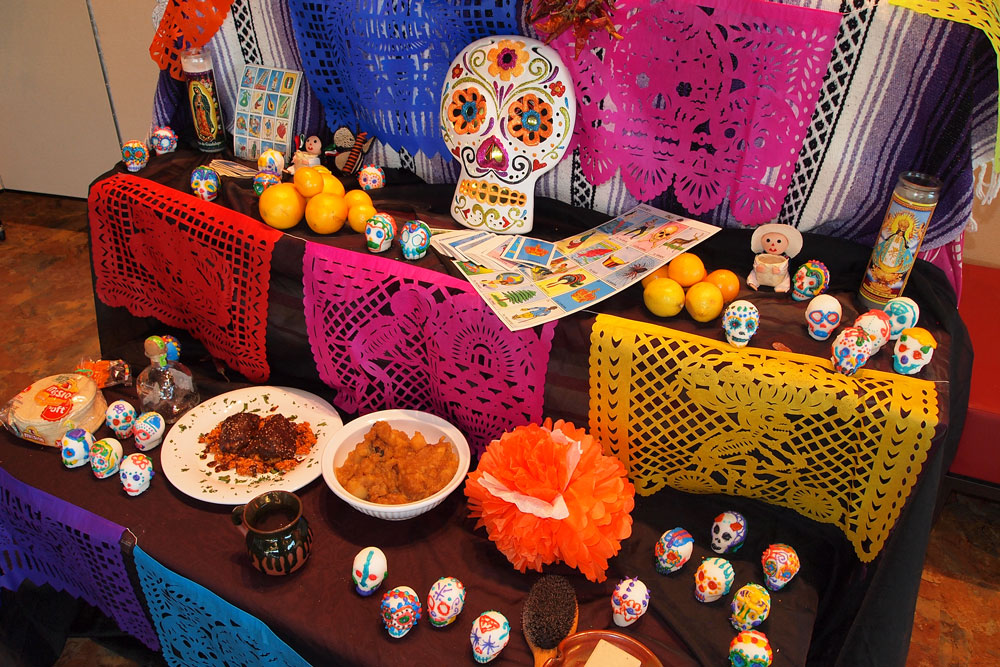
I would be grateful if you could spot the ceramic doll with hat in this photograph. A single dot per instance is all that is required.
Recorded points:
(774, 244)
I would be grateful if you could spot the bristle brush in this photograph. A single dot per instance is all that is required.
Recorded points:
(550, 614)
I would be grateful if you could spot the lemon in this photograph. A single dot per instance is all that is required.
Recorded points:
(704, 301)
(332, 185)
(358, 215)
(663, 297)
(281, 206)
(326, 213)
(308, 181)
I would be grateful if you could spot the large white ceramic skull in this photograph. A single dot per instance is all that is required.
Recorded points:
(740, 321)
(507, 113)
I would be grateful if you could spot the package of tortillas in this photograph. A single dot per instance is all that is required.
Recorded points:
(51, 406)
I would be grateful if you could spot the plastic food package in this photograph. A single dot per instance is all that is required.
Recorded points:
(48, 408)
(104, 372)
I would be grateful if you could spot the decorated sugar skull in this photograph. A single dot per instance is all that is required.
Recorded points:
(120, 418)
(740, 322)
(780, 563)
(371, 177)
(823, 316)
(811, 279)
(507, 112)
(903, 314)
(263, 180)
(370, 568)
(913, 350)
(400, 610)
(729, 530)
(136, 472)
(445, 601)
(673, 550)
(490, 634)
(877, 325)
(134, 155)
(205, 182)
(148, 430)
(379, 232)
(750, 607)
(415, 238)
(713, 579)
(105, 457)
(76, 444)
(851, 350)
(163, 140)
(750, 648)
(271, 162)
(629, 601)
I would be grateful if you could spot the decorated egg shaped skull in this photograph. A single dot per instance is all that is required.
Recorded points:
(811, 279)
(729, 530)
(507, 112)
(105, 457)
(371, 177)
(913, 350)
(877, 325)
(271, 162)
(673, 550)
(490, 634)
(750, 648)
(750, 607)
(629, 601)
(75, 445)
(136, 472)
(370, 568)
(400, 610)
(263, 180)
(415, 238)
(780, 563)
(379, 232)
(163, 140)
(135, 155)
(903, 313)
(851, 350)
(740, 322)
(120, 418)
(823, 315)
(148, 430)
(713, 579)
(445, 601)
(205, 182)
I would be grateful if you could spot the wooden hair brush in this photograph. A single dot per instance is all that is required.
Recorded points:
(550, 614)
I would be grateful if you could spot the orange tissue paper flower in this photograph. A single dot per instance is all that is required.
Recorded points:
(546, 493)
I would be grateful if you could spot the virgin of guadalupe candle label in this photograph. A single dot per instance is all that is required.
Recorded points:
(896, 248)
(205, 110)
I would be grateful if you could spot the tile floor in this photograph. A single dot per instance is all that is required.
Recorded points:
(47, 325)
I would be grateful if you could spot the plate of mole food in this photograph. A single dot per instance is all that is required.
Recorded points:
(243, 443)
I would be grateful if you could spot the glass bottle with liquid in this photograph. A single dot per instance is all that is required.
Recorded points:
(166, 385)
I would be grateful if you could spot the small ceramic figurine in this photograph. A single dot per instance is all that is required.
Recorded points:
(490, 634)
(400, 610)
(673, 550)
(371, 177)
(263, 180)
(876, 324)
(823, 316)
(913, 350)
(120, 418)
(76, 444)
(903, 314)
(415, 238)
(811, 279)
(629, 601)
(136, 473)
(729, 530)
(445, 601)
(750, 648)
(105, 457)
(851, 350)
(370, 568)
(271, 162)
(379, 232)
(148, 430)
(713, 579)
(135, 155)
(308, 155)
(780, 563)
(163, 140)
(750, 607)
(774, 244)
(205, 182)
(740, 321)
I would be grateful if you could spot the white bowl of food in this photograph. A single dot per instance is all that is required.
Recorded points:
(404, 455)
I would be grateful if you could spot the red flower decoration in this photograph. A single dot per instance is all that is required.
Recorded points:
(557, 88)
(456, 71)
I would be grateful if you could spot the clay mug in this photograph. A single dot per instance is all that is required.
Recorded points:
(278, 537)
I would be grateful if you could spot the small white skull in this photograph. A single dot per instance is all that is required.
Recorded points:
(105, 457)
(740, 322)
(729, 530)
(76, 444)
(876, 324)
(913, 350)
(135, 155)
(903, 314)
(414, 239)
(713, 579)
(823, 316)
(851, 350)
(370, 567)
(379, 232)
(629, 601)
(136, 473)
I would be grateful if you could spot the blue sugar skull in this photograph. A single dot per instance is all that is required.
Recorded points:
(415, 238)
(163, 140)
(205, 182)
(134, 155)
(913, 350)
(903, 314)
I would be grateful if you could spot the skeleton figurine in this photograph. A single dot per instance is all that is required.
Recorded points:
(729, 530)
(774, 244)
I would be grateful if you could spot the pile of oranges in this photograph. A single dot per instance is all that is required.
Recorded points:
(319, 196)
(684, 284)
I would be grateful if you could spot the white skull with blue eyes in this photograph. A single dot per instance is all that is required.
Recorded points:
(163, 140)
(76, 444)
(823, 316)
(414, 238)
(903, 313)
(136, 473)
(205, 182)
(379, 232)
(134, 155)
(740, 322)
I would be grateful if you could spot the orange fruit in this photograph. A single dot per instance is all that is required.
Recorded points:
(659, 273)
(281, 206)
(326, 213)
(704, 301)
(686, 269)
(357, 197)
(725, 280)
(308, 181)
(323, 170)
(332, 185)
(663, 297)
(358, 215)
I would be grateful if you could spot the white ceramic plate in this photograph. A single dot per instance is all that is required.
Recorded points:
(181, 460)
